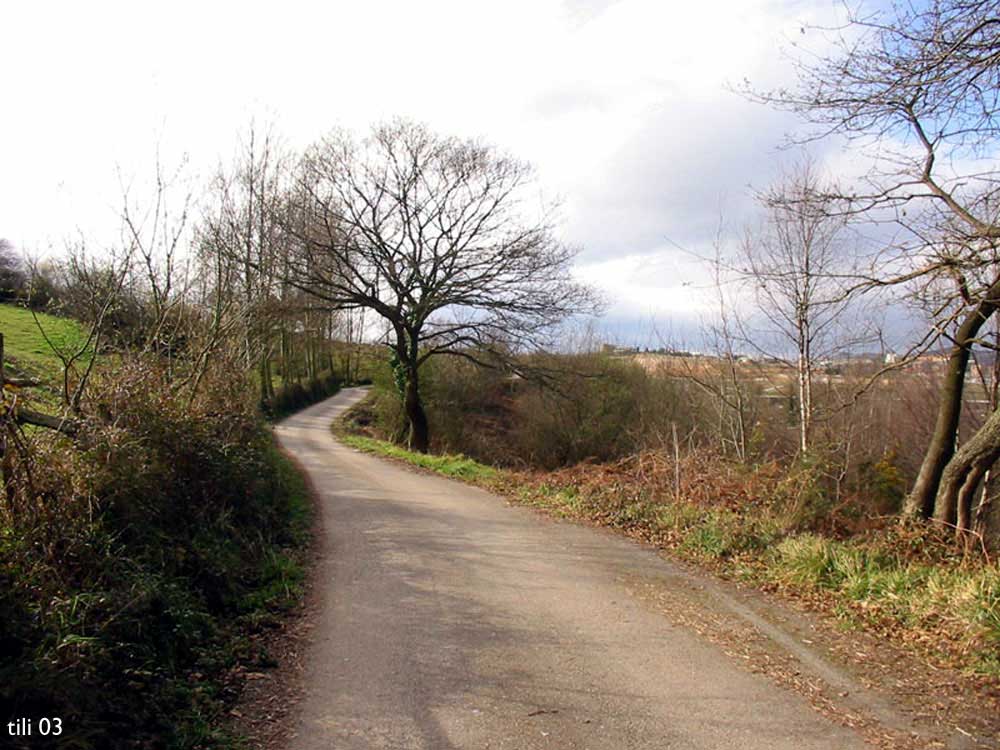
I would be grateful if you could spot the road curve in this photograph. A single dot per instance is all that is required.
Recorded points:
(450, 619)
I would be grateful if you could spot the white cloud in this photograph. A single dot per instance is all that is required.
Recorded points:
(621, 105)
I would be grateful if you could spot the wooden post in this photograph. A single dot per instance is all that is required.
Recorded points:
(677, 463)
(6, 465)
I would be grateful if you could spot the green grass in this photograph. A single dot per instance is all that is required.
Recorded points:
(458, 467)
(281, 578)
(25, 343)
(962, 599)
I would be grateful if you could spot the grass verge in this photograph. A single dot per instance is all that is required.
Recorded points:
(456, 466)
(271, 586)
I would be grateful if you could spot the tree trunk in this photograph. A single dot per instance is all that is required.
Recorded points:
(738, 407)
(805, 403)
(921, 500)
(964, 472)
(419, 439)
(266, 387)
(408, 357)
(804, 367)
(981, 521)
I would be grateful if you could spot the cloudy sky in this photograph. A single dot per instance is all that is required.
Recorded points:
(622, 105)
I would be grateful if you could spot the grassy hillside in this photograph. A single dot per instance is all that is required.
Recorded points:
(25, 346)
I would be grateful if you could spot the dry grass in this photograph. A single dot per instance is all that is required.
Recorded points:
(776, 528)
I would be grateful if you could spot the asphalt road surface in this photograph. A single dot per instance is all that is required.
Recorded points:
(450, 619)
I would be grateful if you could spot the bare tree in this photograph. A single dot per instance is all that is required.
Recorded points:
(156, 237)
(244, 249)
(723, 377)
(920, 84)
(440, 238)
(795, 264)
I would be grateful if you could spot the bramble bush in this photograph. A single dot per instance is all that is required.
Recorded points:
(128, 559)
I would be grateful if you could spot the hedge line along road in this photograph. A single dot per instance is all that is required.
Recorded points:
(447, 618)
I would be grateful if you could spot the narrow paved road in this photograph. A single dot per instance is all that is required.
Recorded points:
(449, 619)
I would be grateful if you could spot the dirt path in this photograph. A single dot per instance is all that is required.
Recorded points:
(447, 618)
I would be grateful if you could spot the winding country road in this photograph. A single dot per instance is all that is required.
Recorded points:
(450, 619)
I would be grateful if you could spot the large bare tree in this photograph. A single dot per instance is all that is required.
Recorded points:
(444, 239)
(919, 83)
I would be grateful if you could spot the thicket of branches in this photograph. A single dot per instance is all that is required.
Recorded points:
(918, 84)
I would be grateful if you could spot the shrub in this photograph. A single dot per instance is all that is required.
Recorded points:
(294, 396)
(127, 560)
(582, 407)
